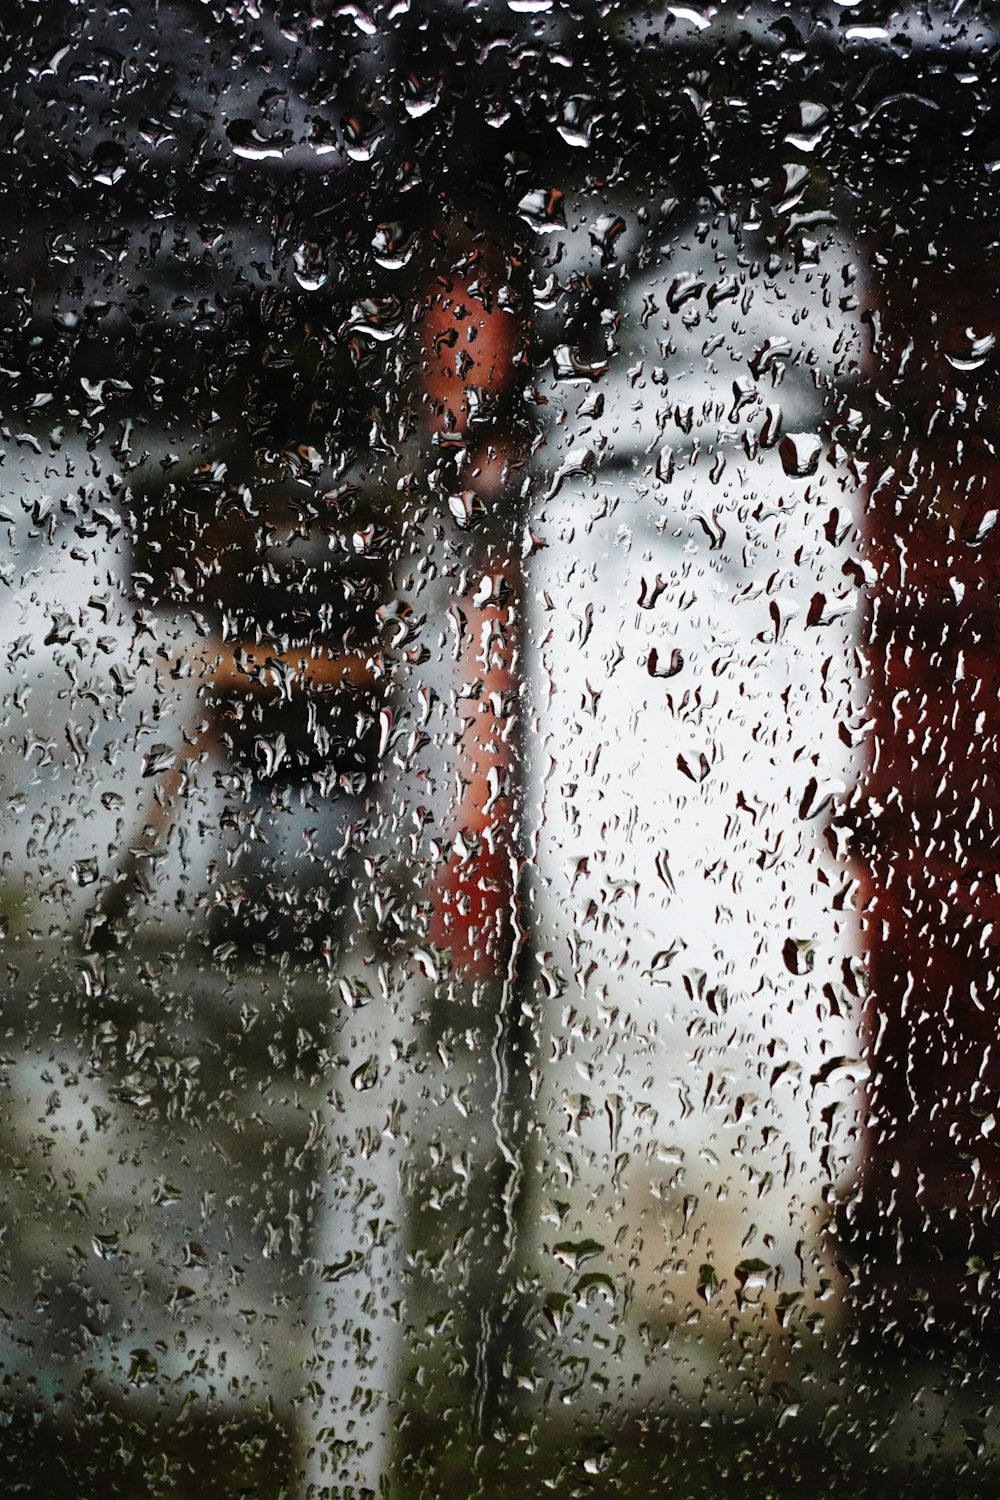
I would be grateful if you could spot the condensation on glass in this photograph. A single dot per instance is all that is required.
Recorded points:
(499, 748)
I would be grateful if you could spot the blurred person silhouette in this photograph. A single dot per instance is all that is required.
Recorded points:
(278, 543)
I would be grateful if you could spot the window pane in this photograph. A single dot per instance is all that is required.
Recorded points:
(499, 681)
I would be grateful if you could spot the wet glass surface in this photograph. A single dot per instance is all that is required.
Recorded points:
(499, 749)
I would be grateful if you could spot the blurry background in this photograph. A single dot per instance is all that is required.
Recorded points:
(296, 1202)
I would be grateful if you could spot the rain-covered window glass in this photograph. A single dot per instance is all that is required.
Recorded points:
(499, 748)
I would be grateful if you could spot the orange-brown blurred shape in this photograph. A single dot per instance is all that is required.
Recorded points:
(470, 345)
(469, 342)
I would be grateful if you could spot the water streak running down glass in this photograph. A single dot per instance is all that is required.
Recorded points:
(499, 749)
